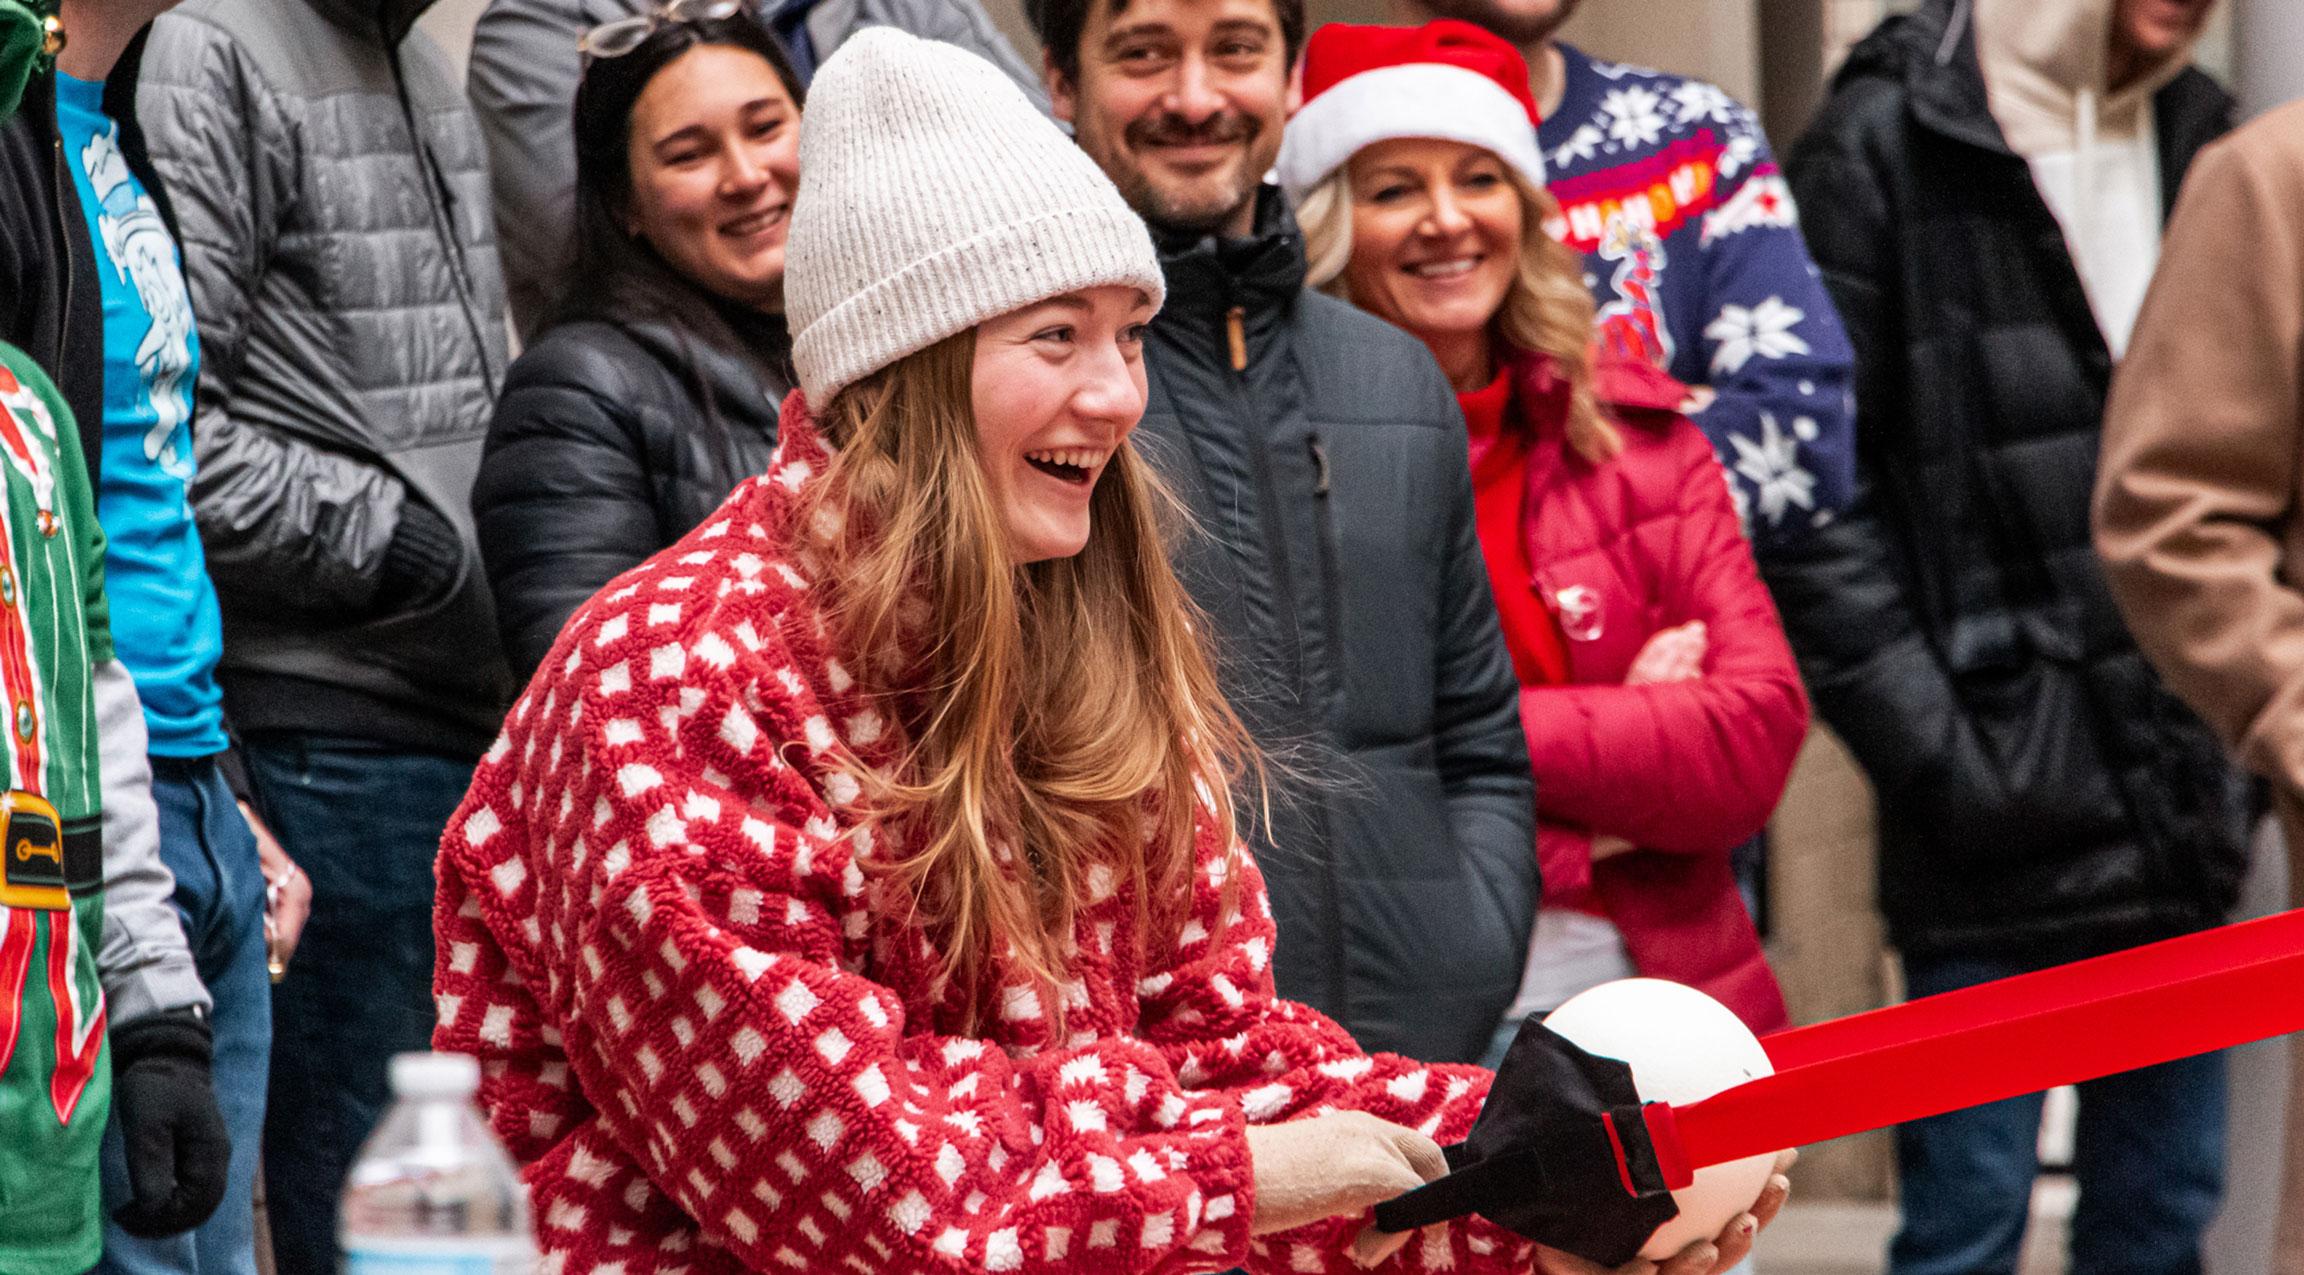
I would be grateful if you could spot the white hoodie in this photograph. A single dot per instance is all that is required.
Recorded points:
(2094, 152)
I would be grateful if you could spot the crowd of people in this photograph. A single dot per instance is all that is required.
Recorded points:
(1038, 669)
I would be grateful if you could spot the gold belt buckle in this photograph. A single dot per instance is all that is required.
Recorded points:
(32, 854)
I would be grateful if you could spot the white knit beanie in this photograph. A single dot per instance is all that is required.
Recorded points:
(933, 197)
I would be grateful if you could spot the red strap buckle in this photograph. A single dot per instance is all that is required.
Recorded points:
(1664, 1135)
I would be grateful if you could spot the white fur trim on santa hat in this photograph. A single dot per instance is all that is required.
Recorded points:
(1415, 99)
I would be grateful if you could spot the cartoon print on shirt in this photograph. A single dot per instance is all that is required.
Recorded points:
(1693, 256)
(1629, 324)
(144, 253)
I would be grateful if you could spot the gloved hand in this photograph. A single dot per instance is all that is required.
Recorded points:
(1704, 1257)
(165, 1100)
(1337, 1164)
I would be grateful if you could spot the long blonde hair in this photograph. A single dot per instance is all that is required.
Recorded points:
(1546, 310)
(1061, 715)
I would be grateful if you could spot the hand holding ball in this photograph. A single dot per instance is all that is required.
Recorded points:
(1682, 1046)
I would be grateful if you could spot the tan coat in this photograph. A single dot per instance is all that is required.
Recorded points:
(2200, 491)
(2197, 511)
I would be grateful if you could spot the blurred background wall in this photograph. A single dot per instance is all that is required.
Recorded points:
(1774, 54)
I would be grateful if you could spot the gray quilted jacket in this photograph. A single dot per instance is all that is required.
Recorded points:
(524, 73)
(343, 268)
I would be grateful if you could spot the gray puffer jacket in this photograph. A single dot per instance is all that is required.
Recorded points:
(332, 191)
(525, 69)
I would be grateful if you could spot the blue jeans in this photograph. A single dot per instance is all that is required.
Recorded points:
(364, 821)
(2149, 1157)
(220, 896)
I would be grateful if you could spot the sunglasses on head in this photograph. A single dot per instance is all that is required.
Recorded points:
(615, 39)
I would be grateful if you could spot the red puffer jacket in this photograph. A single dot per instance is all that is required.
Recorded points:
(1686, 771)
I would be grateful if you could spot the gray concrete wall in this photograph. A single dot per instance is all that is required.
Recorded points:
(2267, 52)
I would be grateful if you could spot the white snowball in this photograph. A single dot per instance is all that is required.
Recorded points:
(1682, 1046)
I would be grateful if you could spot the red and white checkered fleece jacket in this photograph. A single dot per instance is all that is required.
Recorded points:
(712, 1052)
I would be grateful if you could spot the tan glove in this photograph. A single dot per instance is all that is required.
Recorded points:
(1329, 1166)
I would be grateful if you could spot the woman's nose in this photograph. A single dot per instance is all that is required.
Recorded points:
(741, 173)
(1447, 216)
(1108, 392)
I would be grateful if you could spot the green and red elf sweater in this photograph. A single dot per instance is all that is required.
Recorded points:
(713, 1050)
(54, 1087)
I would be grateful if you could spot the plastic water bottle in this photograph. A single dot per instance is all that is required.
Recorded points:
(432, 1193)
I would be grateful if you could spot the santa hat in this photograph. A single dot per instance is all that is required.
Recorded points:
(1445, 79)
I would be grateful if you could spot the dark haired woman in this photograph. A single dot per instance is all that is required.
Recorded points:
(653, 390)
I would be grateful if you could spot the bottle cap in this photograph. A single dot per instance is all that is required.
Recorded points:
(423, 1075)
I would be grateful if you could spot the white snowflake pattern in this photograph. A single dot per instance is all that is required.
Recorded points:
(1740, 151)
(1696, 102)
(1772, 465)
(1634, 115)
(1764, 329)
(1581, 144)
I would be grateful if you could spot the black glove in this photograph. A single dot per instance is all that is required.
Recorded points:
(165, 1100)
(420, 561)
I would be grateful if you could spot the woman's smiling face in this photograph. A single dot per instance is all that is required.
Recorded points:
(715, 158)
(1056, 388)
(1436, 229)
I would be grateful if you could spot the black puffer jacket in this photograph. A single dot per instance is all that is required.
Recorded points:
(2039, 791)
(1355, 633)
(612, 440)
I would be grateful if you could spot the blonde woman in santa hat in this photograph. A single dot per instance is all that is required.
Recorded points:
(855, 887)
(1660, 699)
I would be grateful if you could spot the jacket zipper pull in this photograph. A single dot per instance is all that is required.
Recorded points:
(1236, 334)
(1320, 468)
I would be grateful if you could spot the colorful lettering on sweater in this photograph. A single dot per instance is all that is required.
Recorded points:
(1693, 254)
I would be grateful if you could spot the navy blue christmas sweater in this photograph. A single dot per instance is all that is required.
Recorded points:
(1693, 252)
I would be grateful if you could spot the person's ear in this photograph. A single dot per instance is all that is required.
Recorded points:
(1295, 97)
(1063, 99)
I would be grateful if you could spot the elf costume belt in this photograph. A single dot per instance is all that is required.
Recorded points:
(1566, 1153)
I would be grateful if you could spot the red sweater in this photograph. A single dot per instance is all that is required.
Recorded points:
(1499, 496)
(713, 1051)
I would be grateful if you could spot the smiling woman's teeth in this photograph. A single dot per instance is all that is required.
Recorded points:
(1444, 269)
(1070, 457)
(751, 222)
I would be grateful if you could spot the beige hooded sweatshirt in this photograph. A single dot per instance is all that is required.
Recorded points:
(2093, 150)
